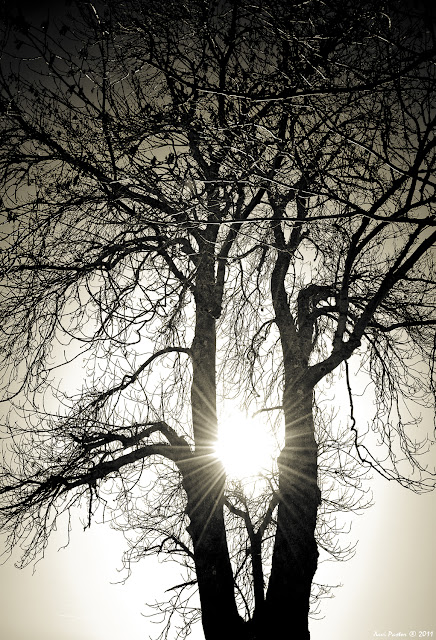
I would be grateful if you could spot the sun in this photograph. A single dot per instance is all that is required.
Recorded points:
(245, 446)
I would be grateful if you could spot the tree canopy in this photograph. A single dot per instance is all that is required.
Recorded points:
(211, 205)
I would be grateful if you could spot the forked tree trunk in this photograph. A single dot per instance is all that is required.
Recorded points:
(295, 552)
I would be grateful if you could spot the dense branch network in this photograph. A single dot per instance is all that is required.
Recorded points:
(208, 203)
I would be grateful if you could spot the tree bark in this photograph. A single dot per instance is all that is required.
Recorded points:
(220, 617)
(204, 479)
(295, 554)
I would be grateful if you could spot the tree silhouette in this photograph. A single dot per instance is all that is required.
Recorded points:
(209, 203)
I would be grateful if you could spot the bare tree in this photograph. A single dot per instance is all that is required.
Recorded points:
(206, 202)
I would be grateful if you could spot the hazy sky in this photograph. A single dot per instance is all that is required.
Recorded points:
(389, 586)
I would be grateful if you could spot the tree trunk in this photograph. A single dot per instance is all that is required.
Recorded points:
(220, 617)
(295, 554)
(204, 480)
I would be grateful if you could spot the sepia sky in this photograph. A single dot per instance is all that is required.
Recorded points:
(389, 587)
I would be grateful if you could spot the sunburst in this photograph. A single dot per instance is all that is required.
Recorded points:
(245, 445)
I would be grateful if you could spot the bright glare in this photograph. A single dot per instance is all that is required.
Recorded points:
(245, 445)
